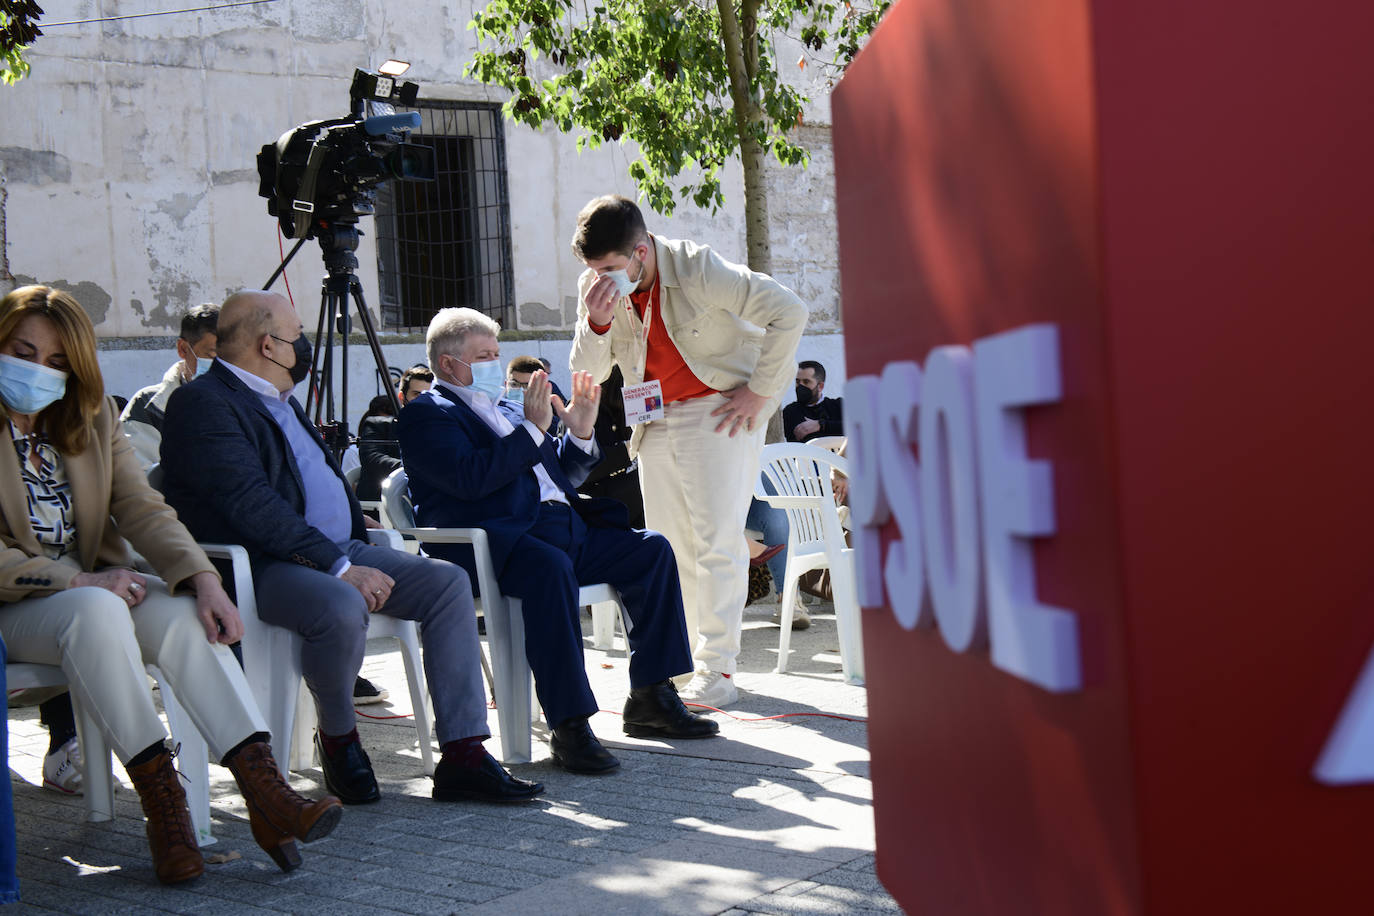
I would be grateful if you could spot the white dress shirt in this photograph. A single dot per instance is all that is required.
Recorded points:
(485, 408)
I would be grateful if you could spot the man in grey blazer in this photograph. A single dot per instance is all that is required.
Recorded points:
(715, 343)
(248, 468)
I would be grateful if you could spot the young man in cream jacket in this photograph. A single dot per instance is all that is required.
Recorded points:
(706, 348)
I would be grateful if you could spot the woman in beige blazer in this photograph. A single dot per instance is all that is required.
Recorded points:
(71, 493)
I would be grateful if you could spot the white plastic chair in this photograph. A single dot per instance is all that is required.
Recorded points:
(800, 477)
(505, 619)
(351, 477)
(98, 779)
(272, 664)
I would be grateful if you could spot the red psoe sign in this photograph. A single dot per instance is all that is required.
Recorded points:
(1119, 600)
(963, 513)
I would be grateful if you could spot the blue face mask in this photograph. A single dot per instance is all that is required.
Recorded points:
(202, 366)
(515, 395)
(28, 387)
(488, 378)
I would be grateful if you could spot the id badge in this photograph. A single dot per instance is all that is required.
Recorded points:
(643, 403)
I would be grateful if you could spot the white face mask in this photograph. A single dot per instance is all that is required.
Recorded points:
(487, 377)
(623, 284)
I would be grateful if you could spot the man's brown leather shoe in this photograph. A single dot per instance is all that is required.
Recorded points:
(171, 837)
(277, 813)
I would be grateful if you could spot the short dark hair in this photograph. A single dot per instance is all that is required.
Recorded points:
(524, 364)
(379, 406)
(420, 372)
(814, 366)
(608, 224)
(198, 322)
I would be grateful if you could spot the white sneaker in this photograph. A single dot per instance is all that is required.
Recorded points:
(801, 620)
(62, 769)
(710, 688)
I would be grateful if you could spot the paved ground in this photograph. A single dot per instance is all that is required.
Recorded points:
(772, 817)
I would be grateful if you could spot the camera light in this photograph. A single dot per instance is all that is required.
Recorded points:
(394, 67)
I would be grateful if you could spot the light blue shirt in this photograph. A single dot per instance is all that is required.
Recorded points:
(326, 501)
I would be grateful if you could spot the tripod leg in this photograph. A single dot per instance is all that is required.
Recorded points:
(313, 384)
(356, 288)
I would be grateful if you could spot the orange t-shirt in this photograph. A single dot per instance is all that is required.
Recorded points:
(663, 361)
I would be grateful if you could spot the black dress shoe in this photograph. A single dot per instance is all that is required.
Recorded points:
(576, 749)
(348, 773)
(656, 711)
(489, 782)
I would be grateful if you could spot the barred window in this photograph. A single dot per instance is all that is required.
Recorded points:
(447, 242)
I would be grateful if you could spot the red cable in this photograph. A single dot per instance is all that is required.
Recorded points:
(281, 252)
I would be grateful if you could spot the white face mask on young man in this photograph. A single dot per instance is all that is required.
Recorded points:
(623, 284)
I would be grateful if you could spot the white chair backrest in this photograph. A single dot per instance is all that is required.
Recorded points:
(396, 500)
(353, 475)
(800, 477)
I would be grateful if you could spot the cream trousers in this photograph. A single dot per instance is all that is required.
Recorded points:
(102, 645)
(697, 484)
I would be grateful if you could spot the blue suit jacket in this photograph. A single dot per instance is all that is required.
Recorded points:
(229, 473)
(463, 475)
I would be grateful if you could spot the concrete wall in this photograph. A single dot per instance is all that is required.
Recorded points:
(129, 160)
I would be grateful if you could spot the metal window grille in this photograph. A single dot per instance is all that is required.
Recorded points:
(447, 242)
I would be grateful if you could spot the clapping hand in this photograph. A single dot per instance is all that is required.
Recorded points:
(580, 414)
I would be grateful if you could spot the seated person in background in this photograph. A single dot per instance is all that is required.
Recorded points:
(616, 476)
(812, 414)
(72, 491)
(469, 466)
(142, 418)
(771, 523)
(518, 373)
(250, 469)
(377, 445)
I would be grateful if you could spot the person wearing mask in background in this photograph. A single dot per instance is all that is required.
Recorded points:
(377, 445)
(812, 414)
(143, 415)
(518, 372)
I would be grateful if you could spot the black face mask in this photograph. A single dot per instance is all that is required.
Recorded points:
(805, 396)
(301, 346)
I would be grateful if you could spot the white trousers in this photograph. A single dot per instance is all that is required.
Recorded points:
(102, 645)
(697, 484)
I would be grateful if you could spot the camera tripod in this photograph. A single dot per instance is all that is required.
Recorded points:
(338, 242)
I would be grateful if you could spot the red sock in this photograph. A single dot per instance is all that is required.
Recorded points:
(334, 743)
(467, 753)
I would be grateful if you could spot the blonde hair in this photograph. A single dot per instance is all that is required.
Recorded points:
(451, 327)
(67, 422)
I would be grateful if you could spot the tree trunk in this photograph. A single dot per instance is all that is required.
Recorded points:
(740, 51)
(742, 61)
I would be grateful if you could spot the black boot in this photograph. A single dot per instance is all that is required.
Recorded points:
(576, 749)
(656, 711)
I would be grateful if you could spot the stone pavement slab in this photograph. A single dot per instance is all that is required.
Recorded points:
(772, 817)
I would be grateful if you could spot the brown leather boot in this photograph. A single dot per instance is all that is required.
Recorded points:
(171, 838)
(278, 814)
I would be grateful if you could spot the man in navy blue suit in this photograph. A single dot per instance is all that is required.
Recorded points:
(470, 466)
(243, 465)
